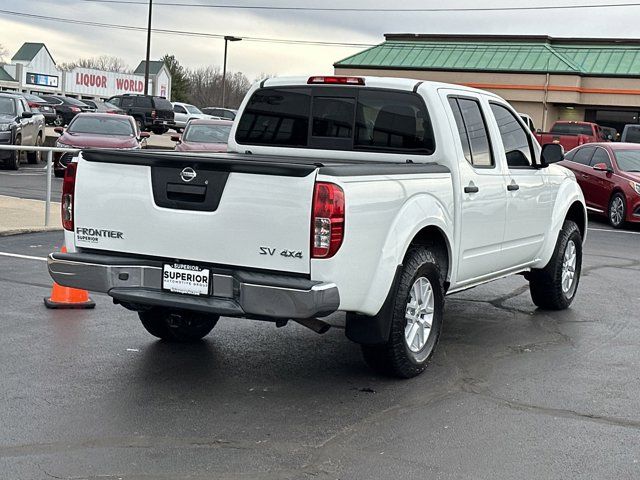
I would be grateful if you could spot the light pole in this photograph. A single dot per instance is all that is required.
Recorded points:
(146, 63)
(227, 39)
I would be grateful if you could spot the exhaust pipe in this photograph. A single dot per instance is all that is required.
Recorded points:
(314, 324)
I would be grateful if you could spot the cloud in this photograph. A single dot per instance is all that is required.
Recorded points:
(69, 42)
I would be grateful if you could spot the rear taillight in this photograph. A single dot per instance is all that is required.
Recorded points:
(327, 222)
(335, 80)
(153, 114)
(68, 189)
(34, 105)
(74, 109)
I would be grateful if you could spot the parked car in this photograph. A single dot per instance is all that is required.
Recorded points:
(204, 136)
(609, 175)
(66, 108)
(150, 113)
(631, 133)
(572, 134)
(19, 126)
(103, 107)
(610, 134)
(346, 194)
(183, 112)
(40, 105)
(226, 113)
(96, 130)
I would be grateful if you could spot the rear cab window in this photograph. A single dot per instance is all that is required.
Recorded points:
(337, 118)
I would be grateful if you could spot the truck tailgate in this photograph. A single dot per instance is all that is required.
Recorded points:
(230, 212)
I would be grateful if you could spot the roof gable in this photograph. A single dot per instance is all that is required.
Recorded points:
(28, 51)
(5, 77)
(154, 67)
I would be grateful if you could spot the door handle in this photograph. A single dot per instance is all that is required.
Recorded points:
(471, 189)
(512, 187)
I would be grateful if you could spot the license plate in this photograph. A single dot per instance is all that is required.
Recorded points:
(186, 279)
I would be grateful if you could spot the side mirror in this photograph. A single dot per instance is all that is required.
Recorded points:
(602, 167)
(144, 135)
(27, 114)
(59, 130)
(551, 153)
(175, 138)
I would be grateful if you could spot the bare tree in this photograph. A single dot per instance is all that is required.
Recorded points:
(3, 53)
(104, 62)
(205, 87)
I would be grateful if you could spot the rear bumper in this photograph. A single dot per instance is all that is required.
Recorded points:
(237, 293)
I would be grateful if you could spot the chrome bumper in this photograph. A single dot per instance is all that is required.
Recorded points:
(236, 293)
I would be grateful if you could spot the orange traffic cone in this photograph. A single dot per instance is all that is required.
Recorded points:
(66, 297)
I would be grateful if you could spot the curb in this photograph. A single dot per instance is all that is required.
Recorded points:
(21, 231)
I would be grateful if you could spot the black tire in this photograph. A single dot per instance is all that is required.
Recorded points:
(35, 158)
(395, 357)
(16, 156)
(58, 173)
(177, 325)
(617, 211)
(159, 130)
(546, 284)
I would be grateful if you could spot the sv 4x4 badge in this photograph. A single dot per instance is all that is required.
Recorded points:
(285, 253)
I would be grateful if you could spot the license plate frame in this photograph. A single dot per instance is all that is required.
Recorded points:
(175, 279)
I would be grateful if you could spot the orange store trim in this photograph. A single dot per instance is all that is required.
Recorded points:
(553, 88)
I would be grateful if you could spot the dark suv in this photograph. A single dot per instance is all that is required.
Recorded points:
(151, 113)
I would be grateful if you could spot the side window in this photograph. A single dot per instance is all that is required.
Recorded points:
(23, 107)
(179, 109)
(515, 139)
(143, 102)
(127, 102)
(583, 155)
(276, 116)
(462, 130)
(394, 122)
(333, 117)
(600, 156)
(114, 101)
(474, 128)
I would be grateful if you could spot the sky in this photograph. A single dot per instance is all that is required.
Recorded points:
(70, 42)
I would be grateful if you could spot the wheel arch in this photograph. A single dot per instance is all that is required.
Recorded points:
(434, 238)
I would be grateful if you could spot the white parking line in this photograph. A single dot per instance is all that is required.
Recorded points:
(613, 231)
(26, 257)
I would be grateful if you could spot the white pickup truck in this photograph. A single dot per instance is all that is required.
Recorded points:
(371, 196)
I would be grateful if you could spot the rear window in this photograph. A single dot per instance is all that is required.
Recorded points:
(142, 102)
(338, 119)
(632, 135)
(571, 129)
(162, 104)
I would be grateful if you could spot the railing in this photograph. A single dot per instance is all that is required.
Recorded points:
(49, 151)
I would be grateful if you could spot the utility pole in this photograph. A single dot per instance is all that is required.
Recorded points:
(146, 63)
(227, 38)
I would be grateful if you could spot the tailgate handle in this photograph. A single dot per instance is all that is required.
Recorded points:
(186, 193)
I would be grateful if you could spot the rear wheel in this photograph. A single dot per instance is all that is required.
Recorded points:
(554, 286)
(35, 157)
(417, 319)
(617, 210)
(159, 130)
(177, 325)
(59, 120)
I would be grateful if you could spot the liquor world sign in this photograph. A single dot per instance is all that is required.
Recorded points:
(86, 81)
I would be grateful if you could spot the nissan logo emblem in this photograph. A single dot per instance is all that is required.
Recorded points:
(188, 174)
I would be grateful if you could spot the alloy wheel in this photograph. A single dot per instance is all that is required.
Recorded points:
(419, 314)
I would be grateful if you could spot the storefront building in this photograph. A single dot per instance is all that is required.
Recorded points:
(33, 70)
(549, 79)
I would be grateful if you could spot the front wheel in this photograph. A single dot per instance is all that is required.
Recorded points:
(554, 287)
(416, 320)
(16, 156)
(617, 210)
(177, 325)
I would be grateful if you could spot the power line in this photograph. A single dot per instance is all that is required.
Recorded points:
(373, 10)
(182, 32)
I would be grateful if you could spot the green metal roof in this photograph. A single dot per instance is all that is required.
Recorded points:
(501, 56)
(154, 67)
(28, 51)
(5, 77)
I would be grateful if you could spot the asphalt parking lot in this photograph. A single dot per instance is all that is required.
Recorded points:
(511, 392)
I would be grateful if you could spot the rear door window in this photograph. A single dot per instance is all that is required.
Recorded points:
(143, 102)
(472, 129)
(276, 116)
(127, 102)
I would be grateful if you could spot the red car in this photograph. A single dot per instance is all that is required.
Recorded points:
(609, 175)
(572, 134)
(96, 130)
(203, 136)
